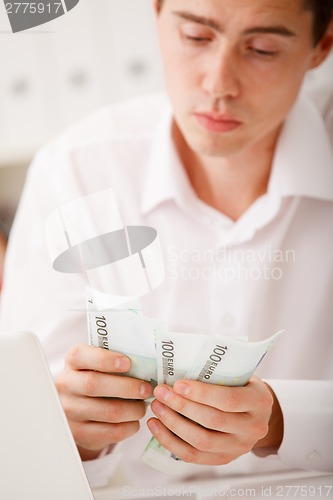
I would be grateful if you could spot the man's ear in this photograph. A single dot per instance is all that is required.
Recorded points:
(323, 48)
(156, 7)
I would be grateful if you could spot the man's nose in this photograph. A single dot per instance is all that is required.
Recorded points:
(222, 75)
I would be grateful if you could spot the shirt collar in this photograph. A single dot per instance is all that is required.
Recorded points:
(303, 162)
(165, 177)
(302, 166)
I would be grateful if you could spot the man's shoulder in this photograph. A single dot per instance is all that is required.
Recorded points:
(128, 121)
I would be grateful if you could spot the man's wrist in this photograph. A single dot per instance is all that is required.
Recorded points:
(273, 439)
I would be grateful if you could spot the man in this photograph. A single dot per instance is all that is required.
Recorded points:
(241, 163)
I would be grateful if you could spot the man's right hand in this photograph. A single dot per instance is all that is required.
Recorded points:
(102, 408)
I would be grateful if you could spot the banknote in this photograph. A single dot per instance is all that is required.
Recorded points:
(231, 362)
(221, 361)
(163, 357)
(176, 352)
(127, 331)
(172, 363)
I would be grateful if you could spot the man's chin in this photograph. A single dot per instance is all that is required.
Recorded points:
(208, 144)
(215, 149)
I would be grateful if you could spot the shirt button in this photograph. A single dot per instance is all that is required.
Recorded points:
(313, 456)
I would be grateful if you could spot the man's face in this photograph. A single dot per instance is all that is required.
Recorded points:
(233, 69)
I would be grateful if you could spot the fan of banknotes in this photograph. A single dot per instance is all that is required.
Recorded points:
(163, 357)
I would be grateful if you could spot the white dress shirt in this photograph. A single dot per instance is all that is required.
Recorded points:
(272, 269)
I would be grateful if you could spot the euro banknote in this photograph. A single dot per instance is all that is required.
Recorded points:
(219, 360)
(163, 357)
(127, 331)
(175, 353)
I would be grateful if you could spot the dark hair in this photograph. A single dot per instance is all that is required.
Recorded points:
(322, 11)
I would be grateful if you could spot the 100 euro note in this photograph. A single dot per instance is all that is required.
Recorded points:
(176, 353)
(220, 361)
(128, 332)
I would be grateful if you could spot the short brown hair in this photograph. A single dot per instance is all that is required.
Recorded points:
(322, 11)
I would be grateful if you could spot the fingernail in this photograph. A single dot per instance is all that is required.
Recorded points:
(153, 425)
(162, 393)
(122, 364)
(145, 389)
(158, 408)
(181, 388)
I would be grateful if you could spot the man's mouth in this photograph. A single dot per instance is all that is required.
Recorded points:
(215, 122)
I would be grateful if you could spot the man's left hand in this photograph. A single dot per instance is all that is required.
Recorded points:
(212, 425)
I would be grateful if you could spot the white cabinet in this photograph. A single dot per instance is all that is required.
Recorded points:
(100, 52)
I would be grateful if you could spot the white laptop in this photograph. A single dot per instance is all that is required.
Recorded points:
(38, 457)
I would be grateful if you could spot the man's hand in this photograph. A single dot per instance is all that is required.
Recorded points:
(102, 407)
(213, 425)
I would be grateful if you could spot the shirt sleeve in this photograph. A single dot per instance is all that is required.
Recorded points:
(307, 407)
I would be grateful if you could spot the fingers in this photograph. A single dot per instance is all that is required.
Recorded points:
(105, 410)
(206, 416)
(102, 405)
(95, 435)
(238, 432)
(252, 397)
(201, 438)
(88, 372)
(210, 424)
(184, 450)
(97, 385)
(85, 357)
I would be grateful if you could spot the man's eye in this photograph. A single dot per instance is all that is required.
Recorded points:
(264, 53)
(197, 39)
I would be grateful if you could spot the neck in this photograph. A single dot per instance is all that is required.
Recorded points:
(230, 185)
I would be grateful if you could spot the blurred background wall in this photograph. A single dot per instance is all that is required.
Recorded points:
(51, 76)
(100, 52)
